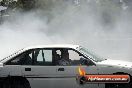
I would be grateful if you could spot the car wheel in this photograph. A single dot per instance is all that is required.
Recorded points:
(14, 82)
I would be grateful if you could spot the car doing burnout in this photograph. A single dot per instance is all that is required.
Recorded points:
(56, 66)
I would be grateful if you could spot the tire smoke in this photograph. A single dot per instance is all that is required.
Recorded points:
(101, 25)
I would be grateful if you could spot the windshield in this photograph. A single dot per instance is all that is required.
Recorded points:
(91, 55)
(12, 54)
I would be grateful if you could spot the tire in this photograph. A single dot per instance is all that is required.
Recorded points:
(16, 82)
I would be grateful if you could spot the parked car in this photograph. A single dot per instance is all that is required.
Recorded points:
(56, 66)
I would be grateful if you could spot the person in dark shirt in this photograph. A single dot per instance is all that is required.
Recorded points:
(64, 58)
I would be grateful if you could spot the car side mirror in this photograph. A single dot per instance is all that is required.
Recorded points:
(86, 62)
(14, 62)
(83, 61)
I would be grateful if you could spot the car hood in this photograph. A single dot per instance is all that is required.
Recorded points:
(121, 63)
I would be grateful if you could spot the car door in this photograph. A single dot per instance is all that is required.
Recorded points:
(41, 73)
(67, 74)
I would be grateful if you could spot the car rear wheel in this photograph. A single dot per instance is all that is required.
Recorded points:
(16, 82)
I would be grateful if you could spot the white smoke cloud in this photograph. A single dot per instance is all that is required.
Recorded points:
(101, 26)
(21, 32)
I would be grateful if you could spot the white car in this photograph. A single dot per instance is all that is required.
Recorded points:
(56, 66)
